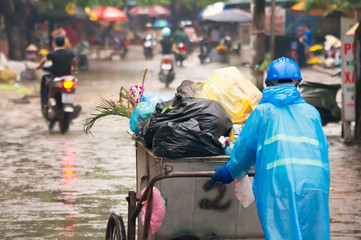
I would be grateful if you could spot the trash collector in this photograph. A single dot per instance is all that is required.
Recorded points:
(283, 137)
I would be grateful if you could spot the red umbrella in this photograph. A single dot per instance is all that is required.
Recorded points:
(152, 11)
(108, 13)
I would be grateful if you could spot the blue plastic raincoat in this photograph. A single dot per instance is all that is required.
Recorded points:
(284, 138)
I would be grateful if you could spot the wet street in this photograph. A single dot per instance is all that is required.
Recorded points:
(55, 186)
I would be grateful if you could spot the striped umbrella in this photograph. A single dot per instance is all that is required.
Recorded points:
(109, 13)
(150, 11)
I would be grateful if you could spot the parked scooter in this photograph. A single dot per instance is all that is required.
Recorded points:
(83, 51)
(121, 46)
(166, 74)
(182, 53)
(204, 50)
(148, 46)
(60, 101)
(227, 41)
(323, 98)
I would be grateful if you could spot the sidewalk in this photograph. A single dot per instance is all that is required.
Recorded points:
(312, 73)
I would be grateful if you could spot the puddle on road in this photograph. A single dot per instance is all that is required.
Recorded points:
(345, 195)
(56, 186)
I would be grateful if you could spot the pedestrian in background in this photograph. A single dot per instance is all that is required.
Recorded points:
(215, 36)
(301, 56)
(308, 40)
(283, 137)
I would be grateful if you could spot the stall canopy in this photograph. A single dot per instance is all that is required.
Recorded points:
(53, 15)
(150, 11)
(247, 3)
(230, 15)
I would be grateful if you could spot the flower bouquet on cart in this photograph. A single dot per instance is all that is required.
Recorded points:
(122, 106)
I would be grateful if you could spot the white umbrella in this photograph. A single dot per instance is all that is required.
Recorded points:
(211, 10)
(230, 15)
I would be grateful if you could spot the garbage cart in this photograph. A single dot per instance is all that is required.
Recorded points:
(194, 208)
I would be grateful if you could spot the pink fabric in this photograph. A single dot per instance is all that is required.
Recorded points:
(158, 211)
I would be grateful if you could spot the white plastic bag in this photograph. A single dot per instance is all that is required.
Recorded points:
(243, 191)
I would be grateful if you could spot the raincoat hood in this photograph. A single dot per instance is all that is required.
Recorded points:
(281, 95)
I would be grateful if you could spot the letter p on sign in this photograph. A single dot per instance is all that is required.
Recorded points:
(348, 47)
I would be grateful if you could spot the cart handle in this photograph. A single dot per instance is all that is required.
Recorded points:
(172, 174)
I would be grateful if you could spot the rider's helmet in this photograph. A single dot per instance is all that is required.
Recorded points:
(283, 71)
(59, 40)
(181, 25)
(166, 32)
(148, 25)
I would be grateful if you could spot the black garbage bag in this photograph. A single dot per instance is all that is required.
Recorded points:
(210, 115)
(186, 89)
(185, 139)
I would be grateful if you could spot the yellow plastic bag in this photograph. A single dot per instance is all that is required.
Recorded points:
(7, 75)
(237, 94)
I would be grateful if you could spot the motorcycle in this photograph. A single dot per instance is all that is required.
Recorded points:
(148, 46)
(120, 49)
(59, 106)
(182, 53)
(124, 47)
(83, 62)
(227, 41)
(323, 98)
(166, 74)
(83, 51)
(204, 50)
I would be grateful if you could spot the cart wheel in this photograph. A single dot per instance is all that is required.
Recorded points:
(115, 227)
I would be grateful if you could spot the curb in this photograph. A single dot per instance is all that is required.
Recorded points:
(331, 72)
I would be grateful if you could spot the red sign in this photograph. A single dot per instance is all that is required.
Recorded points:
(279, 20)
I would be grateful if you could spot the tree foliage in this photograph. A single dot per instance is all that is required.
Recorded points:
(60, 4)
(332, 5)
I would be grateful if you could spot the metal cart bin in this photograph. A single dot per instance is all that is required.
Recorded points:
(194, 208)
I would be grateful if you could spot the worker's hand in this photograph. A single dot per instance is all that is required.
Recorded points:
(222, 174)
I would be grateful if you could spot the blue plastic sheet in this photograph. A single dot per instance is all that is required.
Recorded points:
(283, 137)
(144, 109)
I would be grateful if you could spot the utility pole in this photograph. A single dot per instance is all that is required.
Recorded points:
(272, 31)
(357, 65)
(258, 40)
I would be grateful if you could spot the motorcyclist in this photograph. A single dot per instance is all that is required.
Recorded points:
(149, 42)
(283, 137)
(181, 37)
(63, 63)
(149, 30)
(166, 46)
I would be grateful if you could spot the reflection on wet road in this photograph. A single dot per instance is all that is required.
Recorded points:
(55, 186)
